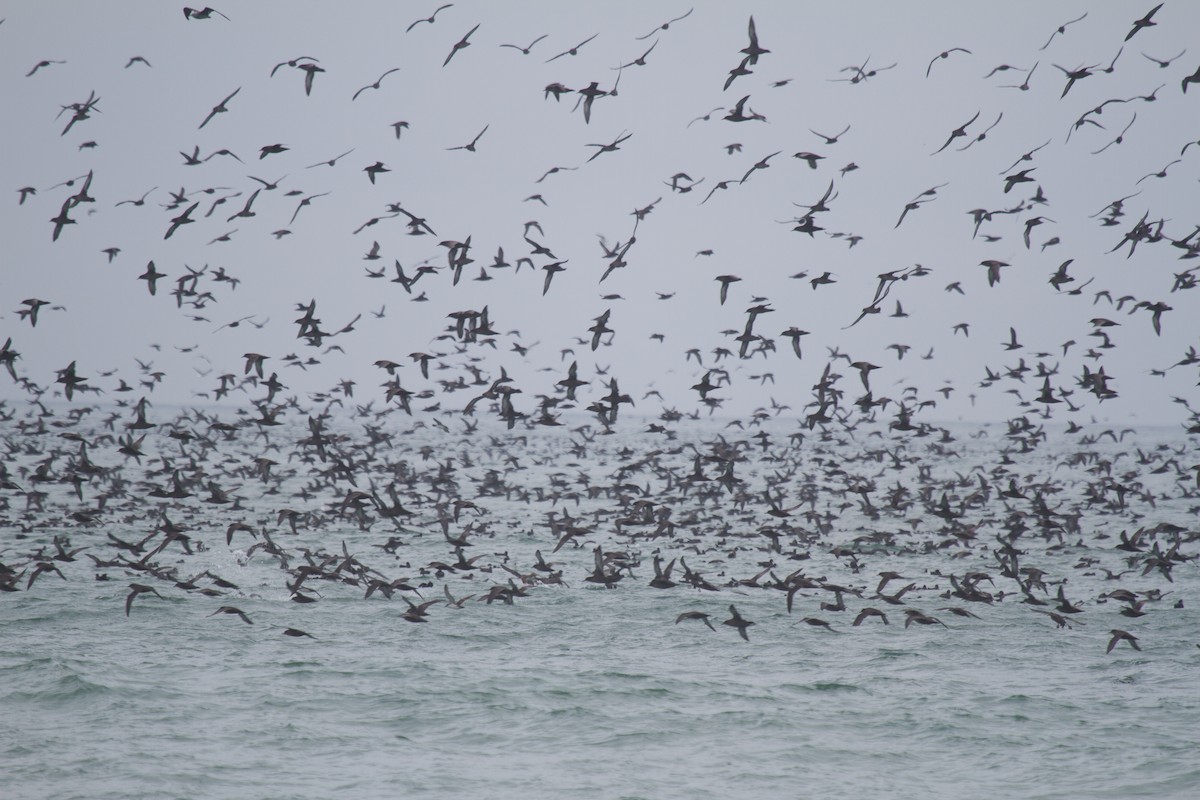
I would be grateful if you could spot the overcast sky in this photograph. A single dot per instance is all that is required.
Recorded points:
(874, 68)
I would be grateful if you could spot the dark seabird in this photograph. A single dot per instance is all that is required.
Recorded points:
(736, 620)
(700, 615)
(138, 589)
(296, 632)
(235, 611)
(1119, 636)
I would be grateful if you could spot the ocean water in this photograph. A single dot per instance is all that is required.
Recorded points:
(574, 690)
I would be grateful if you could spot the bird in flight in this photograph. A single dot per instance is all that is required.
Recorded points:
(830, 139)
(430, 18)
(1145, 22)
(331, 162)
(945, 54)
(589, 94)
(460, 44)
(1119, 636)
(471, 147)
(993, 269)
(220, 108)
(138, 589)
(204, 13)
(736, 620)
(610, 147)
(151, 276)
(374, 85)
(1062, 29)
(752, 51)
(310, 72)
(574, 51)
(525, 50)
(40, 64)
(291, 63)
(961, 130)
(1163, 63)
(700, 615)
(666, 25)
(1193, 78)
(182, 219)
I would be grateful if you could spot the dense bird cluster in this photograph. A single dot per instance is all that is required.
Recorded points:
(855, 524)
(409, 457)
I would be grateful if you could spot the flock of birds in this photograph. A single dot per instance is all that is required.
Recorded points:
(427, 468)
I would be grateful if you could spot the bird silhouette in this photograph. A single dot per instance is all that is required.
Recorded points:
(459, 45)
(574, 51)
(220, 108)
(430, 19)
(736, 620)
(374, 85)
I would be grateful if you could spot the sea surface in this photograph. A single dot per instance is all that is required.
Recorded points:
(573, 690)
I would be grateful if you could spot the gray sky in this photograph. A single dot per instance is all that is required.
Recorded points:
(146, 116)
